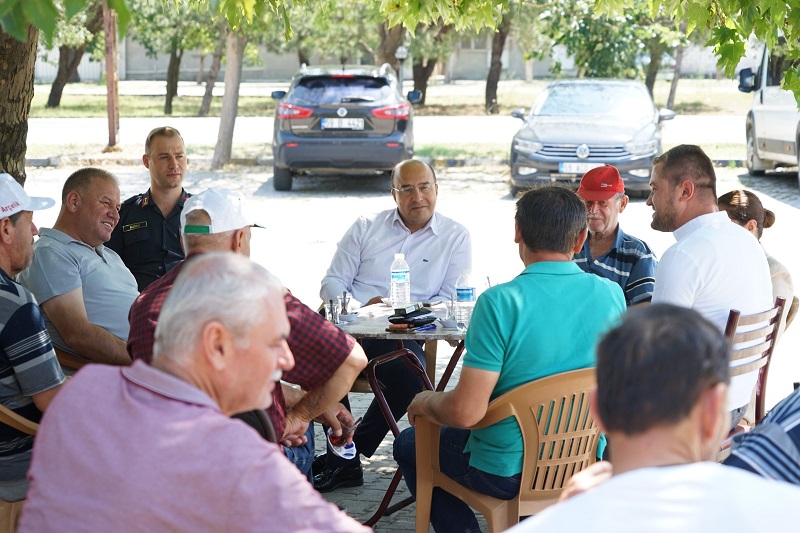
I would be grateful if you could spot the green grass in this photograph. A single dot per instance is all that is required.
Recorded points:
(694, 96)
(90, 105)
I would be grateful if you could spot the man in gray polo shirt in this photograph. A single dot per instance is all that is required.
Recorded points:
(84, 288)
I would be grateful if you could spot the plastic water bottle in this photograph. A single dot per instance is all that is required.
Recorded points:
(465, 298)
(400, 281)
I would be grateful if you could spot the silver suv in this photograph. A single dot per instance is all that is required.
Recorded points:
(337, 120)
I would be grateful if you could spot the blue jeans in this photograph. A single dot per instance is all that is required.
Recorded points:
(303, 456)
(448, 513)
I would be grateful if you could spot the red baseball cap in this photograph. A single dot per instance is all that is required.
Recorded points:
(601, 183)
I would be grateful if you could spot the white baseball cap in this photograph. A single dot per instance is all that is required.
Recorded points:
(227, 210)
(14, 199)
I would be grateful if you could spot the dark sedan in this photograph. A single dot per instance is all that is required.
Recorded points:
(339, 120)
(577, 125)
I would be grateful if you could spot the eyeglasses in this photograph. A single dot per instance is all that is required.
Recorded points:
(408, 190)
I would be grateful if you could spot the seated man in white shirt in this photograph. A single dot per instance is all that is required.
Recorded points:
(662, 379)
(437, 249)
(714, 266)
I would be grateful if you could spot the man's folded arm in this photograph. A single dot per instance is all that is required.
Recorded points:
(68, 314)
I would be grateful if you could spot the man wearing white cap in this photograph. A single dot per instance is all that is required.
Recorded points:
(29, 371)
(83, 287)
(327, 359)
(610, 252)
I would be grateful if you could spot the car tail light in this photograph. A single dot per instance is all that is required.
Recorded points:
(342, 76)
(293, 111)
(397, 111)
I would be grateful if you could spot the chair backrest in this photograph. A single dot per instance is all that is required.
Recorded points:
(753, 338)
(559, 433)
(68, 361)
(10, 418)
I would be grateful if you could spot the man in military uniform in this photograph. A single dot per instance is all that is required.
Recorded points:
(147, 237)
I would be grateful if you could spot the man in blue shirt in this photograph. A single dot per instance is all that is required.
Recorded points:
(545, 321)
(30, 375)
(609, 251)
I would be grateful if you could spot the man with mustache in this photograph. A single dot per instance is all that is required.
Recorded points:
(437, 250)
(84, 288)
(610, 252)
(158, 452)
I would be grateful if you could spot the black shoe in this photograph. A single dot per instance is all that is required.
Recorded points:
(319, 464)
(344, 476)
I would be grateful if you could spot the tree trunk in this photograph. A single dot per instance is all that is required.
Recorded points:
(230, 100)
(303, 57)
(69, 58)
(173, 73)
(656, 49)
(652, 72)
(423, 69)
(213, 72)
(422, 73)
(676, 75)
(391, 38)
(496, 65)
(17, 60)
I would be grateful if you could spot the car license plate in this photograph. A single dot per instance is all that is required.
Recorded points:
(342, 123)
(577, 168)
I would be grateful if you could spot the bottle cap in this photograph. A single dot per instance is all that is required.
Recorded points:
(399, 256)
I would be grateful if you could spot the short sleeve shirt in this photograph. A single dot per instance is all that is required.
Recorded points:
(28, 365)
(630, 263)
(148, 242)
(545, 321)
(62, 264)
(319, 347)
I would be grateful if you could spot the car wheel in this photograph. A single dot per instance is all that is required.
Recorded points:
(282, 179)
(755, 166)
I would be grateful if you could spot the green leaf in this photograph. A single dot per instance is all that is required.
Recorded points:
(6, 7)
(791, 82)
(73, 7)
(42, 14)
(123, 15)
(15, 24)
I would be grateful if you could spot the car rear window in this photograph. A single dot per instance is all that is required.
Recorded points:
(594, 99)
(341, 90)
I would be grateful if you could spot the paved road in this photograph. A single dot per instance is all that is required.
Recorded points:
(693, 129)
(303, 226)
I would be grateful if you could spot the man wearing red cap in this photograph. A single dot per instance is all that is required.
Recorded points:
(610, 252)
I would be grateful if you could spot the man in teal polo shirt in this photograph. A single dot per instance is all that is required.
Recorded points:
(545, 321)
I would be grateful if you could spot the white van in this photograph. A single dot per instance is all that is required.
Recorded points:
(773, 135)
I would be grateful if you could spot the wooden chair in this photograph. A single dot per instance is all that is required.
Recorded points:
(10, 511)
(758, 333)
(69, 362)
(559, 439)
